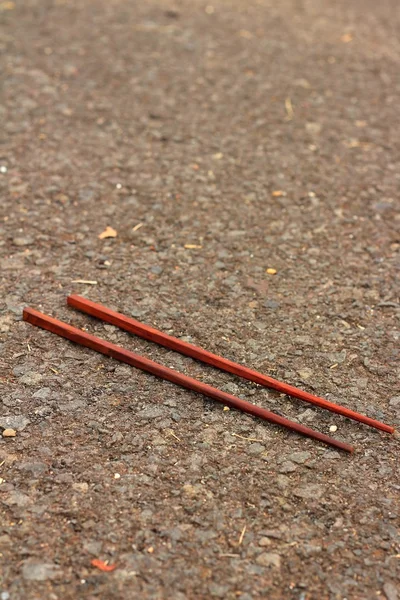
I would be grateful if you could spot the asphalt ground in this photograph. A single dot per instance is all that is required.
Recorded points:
(246, 157)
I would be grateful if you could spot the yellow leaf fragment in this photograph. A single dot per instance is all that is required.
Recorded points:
(271, 271)
(226, 408)
(7, 6)
(192, 246)
(278, 193)
(246, 34)
(9, 433)
(346, 38)
(353, 143)
(109, 232)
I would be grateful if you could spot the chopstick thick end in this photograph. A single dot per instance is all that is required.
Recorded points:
(28, 314)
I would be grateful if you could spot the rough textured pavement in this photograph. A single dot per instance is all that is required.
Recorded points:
(218, 140)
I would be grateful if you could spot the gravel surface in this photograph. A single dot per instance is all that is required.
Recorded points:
(245, 156)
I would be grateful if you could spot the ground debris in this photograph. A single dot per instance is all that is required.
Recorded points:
(109, 232)
(9, 433)
(102, 565)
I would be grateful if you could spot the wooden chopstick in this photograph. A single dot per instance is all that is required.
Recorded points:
(149, 333)
(90, 341)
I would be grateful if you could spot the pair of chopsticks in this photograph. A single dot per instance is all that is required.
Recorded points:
(144, 331)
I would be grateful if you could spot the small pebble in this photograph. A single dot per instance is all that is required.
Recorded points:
(395, 401)
(9, 433)
(33, 570)
(269, 559)
(307, 415)
(333, 428)
(31, 378)
(3, 169)
(272, 304)
(311, 491)
(287, 467)
(17, 422)
(81, 487)
(255, 449)
(157, 270)
(305, 373)
(23, 241)
(299, 457)
(117, 476)
(283, 482)
(264, 541)
(390, 591)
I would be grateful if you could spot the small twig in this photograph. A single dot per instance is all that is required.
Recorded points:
(246, 438)
(229, 555)
(289, 544)
(289, 109)
(138, 226)
(242, 535)
(173, 435)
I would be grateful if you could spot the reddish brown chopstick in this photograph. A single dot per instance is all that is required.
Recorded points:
(149, 333)
(90, 341)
